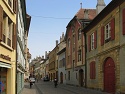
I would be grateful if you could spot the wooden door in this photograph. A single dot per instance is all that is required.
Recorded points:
(109, 76)
(61, 77)
(81, 77)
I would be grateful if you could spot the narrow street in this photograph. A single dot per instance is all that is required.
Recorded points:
(48, 88)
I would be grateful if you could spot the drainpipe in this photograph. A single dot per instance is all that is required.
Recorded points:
(16, 46)
(85, 61)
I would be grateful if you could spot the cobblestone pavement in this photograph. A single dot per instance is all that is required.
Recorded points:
(48, 88)
(28, 90)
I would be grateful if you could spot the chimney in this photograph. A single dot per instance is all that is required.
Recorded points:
(100, 6)
(60, 39)
(42, 57)
(62, 36)
(56, 42)
(45, 54)
(86, 14)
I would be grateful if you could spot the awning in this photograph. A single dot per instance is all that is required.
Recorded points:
(5, 65)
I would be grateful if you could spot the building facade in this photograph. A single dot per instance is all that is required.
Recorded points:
(7, 46)
(105, 37)
(53, 63)
(75, 50)
(62, 61)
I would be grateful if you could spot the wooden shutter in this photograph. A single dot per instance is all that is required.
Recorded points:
(89, 42)
(113, 29)
(14, 37)
(123, 23)
(91, 70)
(1, 23)
(95, 39)
(102, 36)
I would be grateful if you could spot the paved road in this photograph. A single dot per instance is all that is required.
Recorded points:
(48, 88)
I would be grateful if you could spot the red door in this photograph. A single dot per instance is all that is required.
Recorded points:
(109, 76)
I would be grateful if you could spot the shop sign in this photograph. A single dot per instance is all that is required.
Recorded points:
(5, 57)
(1, 87)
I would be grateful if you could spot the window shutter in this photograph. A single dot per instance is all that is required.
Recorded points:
(93, 70)
(102, 36)
(90, 70)
(95, 39)
(113, 29)
(123, 23)
(14, 37)
(1, 24)
(89, 42)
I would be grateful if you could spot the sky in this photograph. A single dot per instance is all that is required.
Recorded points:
(49, 19)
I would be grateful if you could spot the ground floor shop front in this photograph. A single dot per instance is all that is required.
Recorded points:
(7, 78)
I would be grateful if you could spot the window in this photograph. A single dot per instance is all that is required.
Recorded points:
(9, 33)
(73, 67)
(79, 34)
(73, 43)
(123, 21)
(69, 43)
(92, 41)
(68, 60)
(68, 75)
(107, 32)
(92, 70)
(10, 3)
(79, 55)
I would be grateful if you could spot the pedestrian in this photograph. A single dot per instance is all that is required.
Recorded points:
(31, 83)
(55, 82)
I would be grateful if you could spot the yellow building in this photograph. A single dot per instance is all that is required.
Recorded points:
(8, 46)
(53, 63)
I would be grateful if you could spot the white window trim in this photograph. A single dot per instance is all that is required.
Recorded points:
(107, 31)
(92, 41)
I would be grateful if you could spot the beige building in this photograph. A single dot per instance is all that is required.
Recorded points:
(8, 46)
(105, 43)
(53, 63)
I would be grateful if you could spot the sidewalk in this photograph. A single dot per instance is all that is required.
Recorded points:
(28, 90)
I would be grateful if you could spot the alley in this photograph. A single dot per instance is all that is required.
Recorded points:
(48, 88)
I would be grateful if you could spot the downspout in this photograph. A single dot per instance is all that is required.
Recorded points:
(85, 61)
(16, 46)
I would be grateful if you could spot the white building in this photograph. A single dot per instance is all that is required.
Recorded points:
(21, 31)
(62, 61)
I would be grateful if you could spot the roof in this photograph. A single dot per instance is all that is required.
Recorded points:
(111, 6)
(91, 13)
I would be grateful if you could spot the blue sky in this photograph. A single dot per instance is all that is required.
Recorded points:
(49, 20)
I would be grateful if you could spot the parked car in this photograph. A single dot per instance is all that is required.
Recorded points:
(32, 80)
(46, 79)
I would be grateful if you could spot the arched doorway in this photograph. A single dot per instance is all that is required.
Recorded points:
(81, 77)
(61, 77)
(109, 75)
